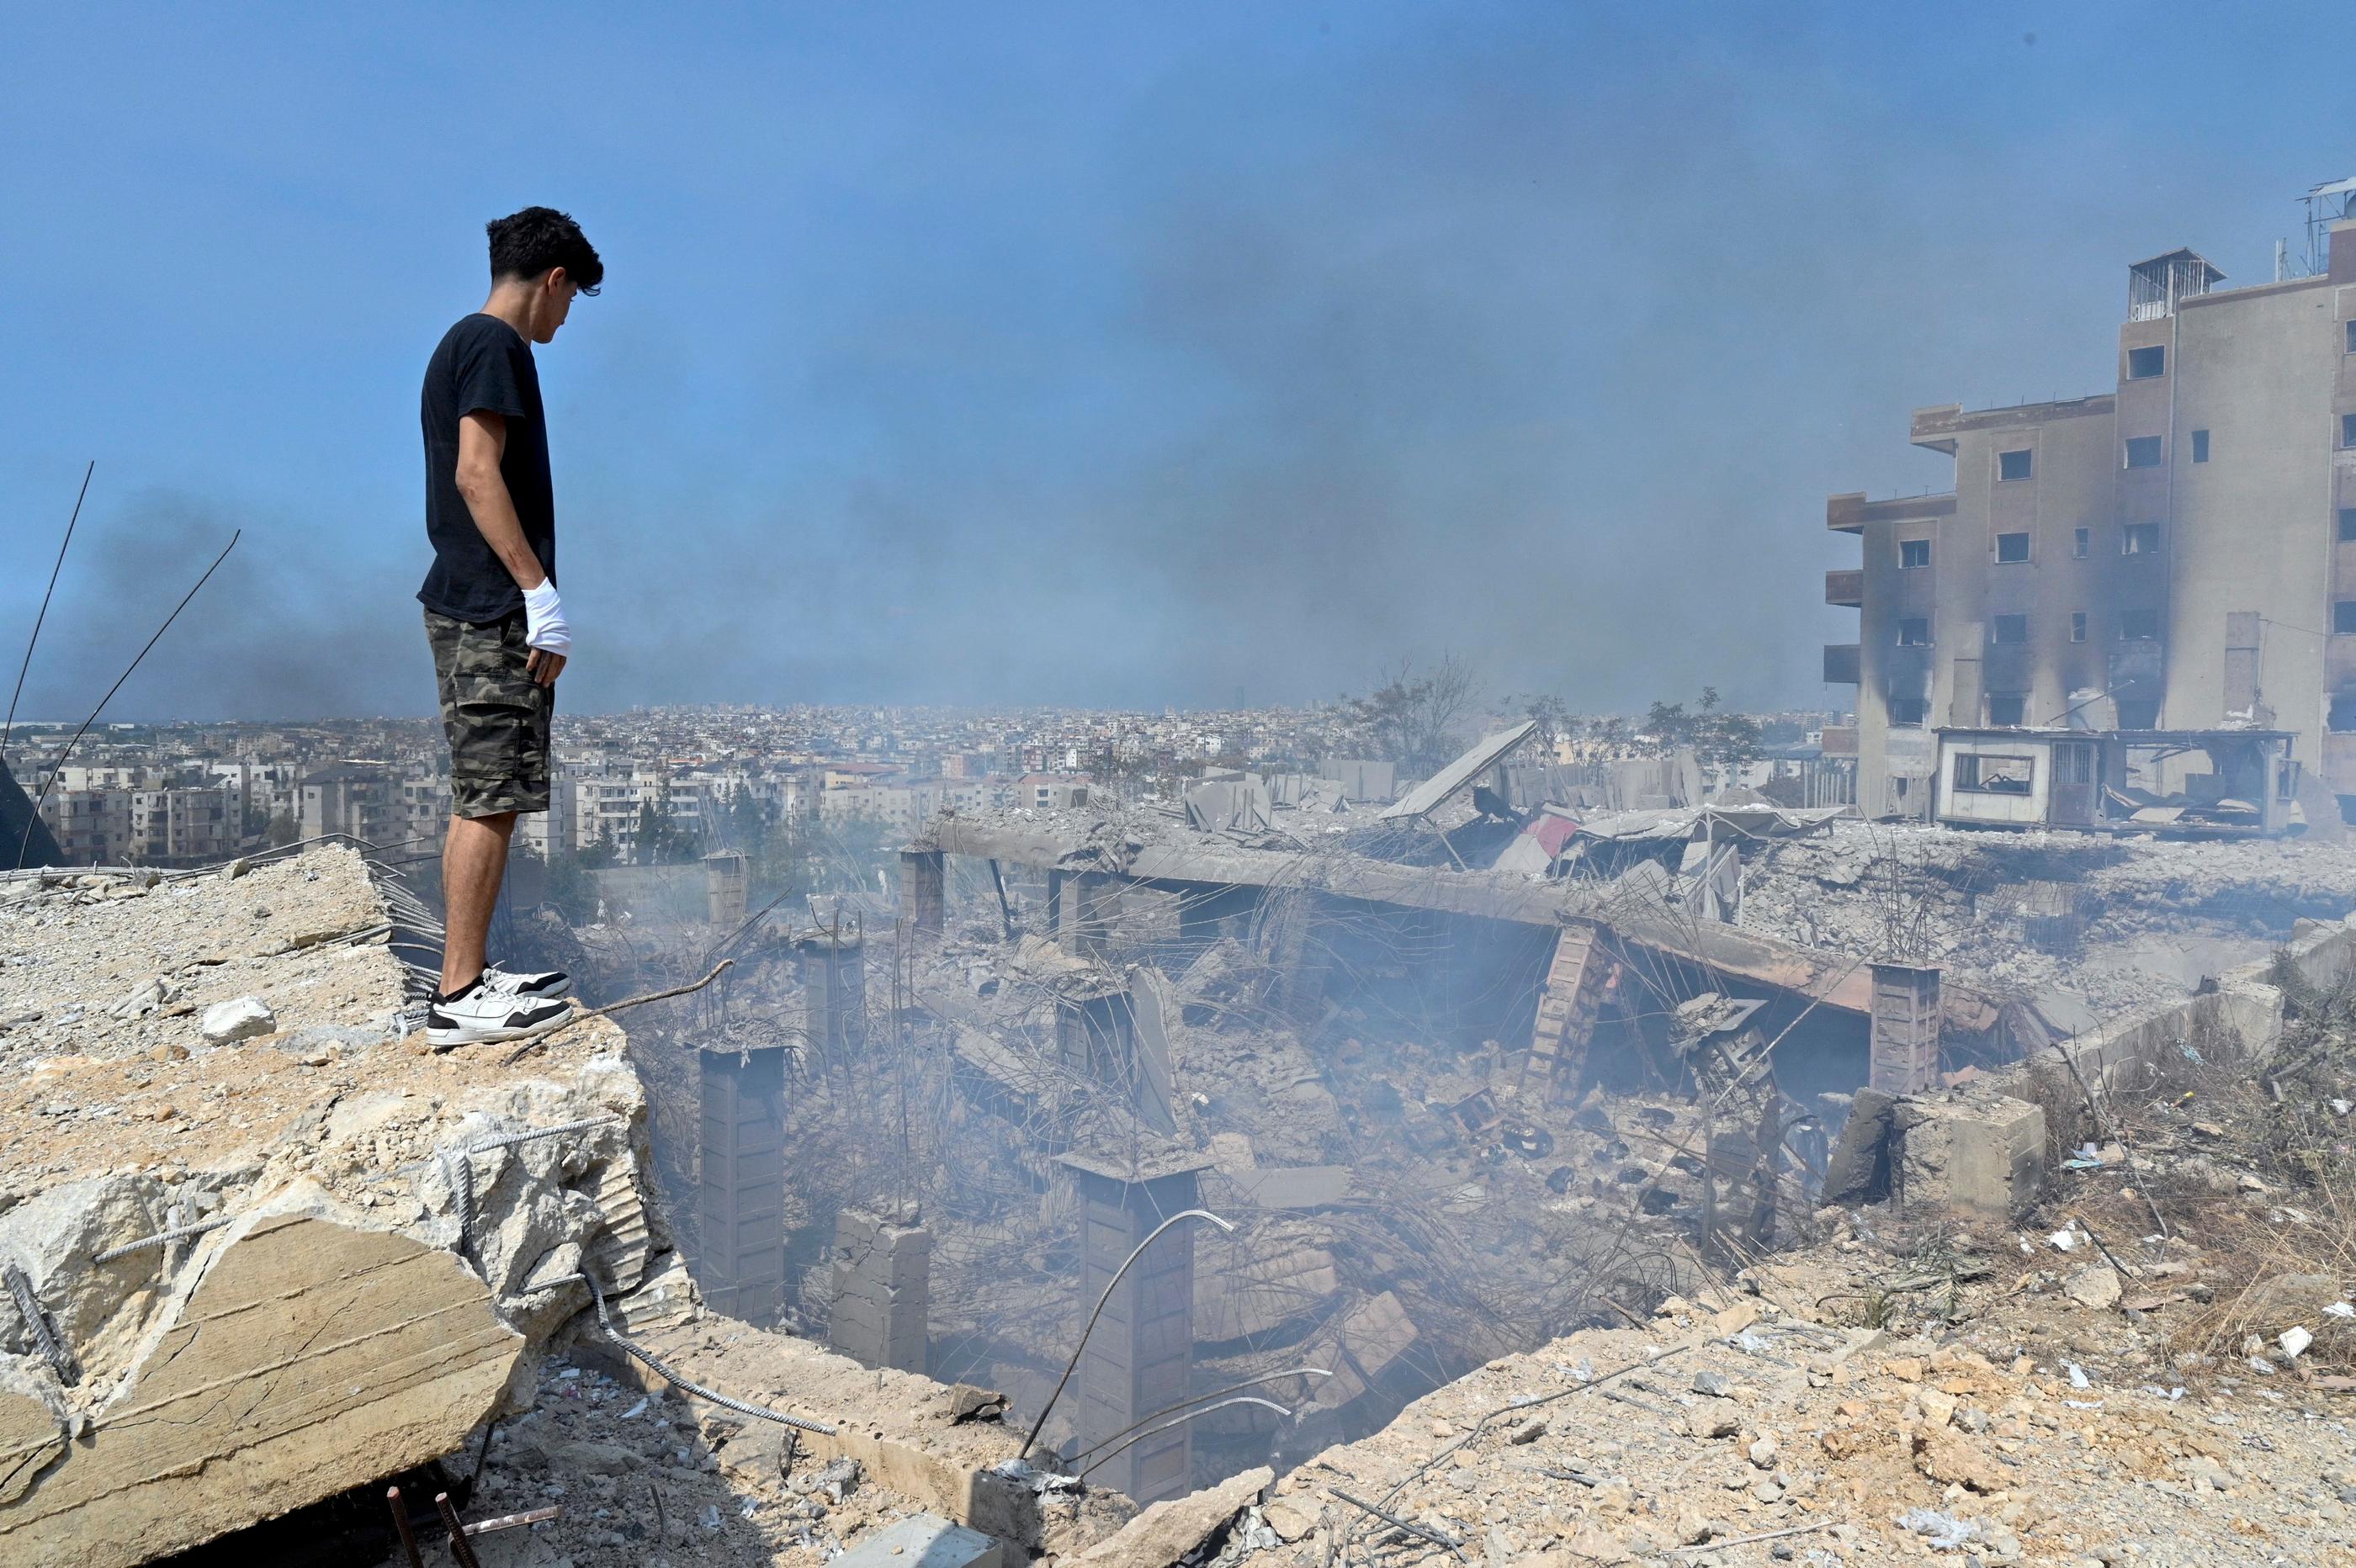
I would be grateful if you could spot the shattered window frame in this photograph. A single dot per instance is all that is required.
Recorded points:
(2131, 620)
(2007, 709)
(2000, 624)
(1909, 712)
(2006, 544)
(1975, 775)
(2143, 451)
(2139, 539)
(1913, 631)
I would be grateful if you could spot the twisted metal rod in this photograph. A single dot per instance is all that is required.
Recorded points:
(1071, 1365)
(1247, 1382)
(1181, 1421)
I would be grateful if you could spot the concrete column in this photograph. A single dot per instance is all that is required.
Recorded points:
(834, 984)
(1301, 961)
(741, 1228)
(1140, 1358)
(924, 889)
(1095, 1035)
(1904, 1050)
(724, 878)
(882, 1271)
(1092, 901)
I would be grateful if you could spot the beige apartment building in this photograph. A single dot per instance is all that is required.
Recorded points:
(2177, 553)
(182, 826)
(92, 826)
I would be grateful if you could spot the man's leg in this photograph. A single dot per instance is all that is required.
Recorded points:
(474, 860)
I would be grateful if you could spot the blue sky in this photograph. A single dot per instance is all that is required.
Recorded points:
(1104, 354)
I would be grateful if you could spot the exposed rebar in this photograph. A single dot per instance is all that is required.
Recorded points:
(1070, 1365)
(400, 1525)
(1183, 1420)
(1247, 1382)
(9, 728)
(59, 767)
(162, 1238)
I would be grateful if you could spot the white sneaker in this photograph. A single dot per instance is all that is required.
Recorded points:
(536, 983)
(483, 1012)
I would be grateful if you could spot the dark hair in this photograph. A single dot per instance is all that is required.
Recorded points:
(528, 243)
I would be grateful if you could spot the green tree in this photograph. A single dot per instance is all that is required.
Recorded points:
(1715, 733)
(570, 890)
(1414, 720)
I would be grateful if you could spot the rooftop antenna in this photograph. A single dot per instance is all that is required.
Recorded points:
(2326, 204)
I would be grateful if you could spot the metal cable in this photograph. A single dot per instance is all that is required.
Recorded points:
(1181, 1421)
(1110, 1285)
(726, 1401)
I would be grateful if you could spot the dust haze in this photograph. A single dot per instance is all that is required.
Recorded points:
(1537, 341)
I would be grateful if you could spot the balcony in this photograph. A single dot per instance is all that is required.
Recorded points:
(1849, 513)
(1845, 588)
(1841, 664)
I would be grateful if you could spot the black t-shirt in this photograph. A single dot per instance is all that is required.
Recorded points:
(483, 366)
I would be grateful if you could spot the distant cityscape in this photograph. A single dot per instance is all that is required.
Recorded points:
(668, 782)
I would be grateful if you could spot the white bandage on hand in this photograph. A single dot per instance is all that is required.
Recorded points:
(543, 621)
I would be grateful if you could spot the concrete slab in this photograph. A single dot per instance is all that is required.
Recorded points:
(927, 1540)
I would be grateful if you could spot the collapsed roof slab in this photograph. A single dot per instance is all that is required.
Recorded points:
(1831, 979)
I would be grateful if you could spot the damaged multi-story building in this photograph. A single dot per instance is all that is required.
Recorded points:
(2175, 555)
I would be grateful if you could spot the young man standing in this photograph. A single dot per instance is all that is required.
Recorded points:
(492, 616)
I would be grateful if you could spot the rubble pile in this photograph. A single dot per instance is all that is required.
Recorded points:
(1739, 1433)
(1406, 1209)
(2085, 925)
(261, 1246)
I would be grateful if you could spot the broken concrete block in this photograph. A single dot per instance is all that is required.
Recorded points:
(55, 1236)
(311, 1351)
(925, 1541)
(32, 1428)
(2097, 1285)
(1171, 1529)
(1973, 1149)
(1858, 1168)
(1291, 1518)
(241, 1017)
(1946, 1455)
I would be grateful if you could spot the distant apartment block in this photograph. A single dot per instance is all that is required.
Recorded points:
(92, 826)
(361, 799)
(1052, 791)
(904, 805)
(183, 826)
(2178, 553)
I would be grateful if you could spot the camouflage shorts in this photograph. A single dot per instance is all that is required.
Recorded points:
(494, 715)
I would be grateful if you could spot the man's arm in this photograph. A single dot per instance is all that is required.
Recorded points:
(482, 442)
